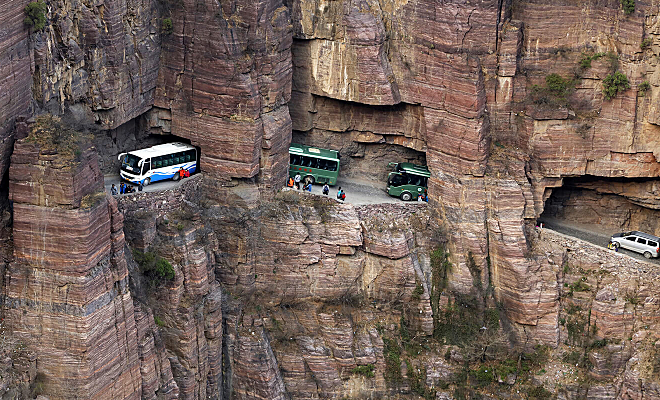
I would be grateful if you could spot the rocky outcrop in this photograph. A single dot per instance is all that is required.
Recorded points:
(104, 55)
(66, 292)
(224, 83)
(606, 306)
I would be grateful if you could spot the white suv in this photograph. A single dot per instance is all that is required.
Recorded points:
(637, 241)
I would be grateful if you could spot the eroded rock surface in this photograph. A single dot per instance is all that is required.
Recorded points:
(66, 291)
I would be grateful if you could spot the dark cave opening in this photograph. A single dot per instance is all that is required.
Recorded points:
(606, 204)
(361, 160)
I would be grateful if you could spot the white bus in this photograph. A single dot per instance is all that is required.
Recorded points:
(157, 163)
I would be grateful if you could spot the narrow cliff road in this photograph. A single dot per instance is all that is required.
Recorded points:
(594, 234)
(159, 186)
(359, 192)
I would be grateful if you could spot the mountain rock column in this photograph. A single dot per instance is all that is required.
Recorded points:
(66, 293)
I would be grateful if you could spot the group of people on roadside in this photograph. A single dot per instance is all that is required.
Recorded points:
(124, 188)
(307, 186)
(423, 196)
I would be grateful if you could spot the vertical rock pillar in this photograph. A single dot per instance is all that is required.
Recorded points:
(66, 293)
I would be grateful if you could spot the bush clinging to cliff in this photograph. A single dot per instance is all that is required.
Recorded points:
(35, 15)
(555, 91)
(154, 266)
(628, 6)
(614, 83)
(167, 26)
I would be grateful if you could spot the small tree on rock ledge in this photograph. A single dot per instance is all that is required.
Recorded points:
(615, 83)
(35, 15)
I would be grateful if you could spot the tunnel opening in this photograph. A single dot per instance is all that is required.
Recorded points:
(134, 134)
(360, 160)
(605, 205)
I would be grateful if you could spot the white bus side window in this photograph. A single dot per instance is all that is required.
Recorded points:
(158, 162)
(190, 155)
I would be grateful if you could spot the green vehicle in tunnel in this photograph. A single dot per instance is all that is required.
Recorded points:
(314, 165)
(407, 181)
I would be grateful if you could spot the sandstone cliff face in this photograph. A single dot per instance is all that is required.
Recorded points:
(224, 83)
(66, 291)
(461, 78)
(293, 279)
(446, 84)
(104, 55)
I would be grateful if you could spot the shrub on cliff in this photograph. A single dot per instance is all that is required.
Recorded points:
(646, 43)
(154, 266)
(555, 91)
(167, 26)
(614, 83)
(35, 15)
(643, 88)
(52, 135)
(628, 6)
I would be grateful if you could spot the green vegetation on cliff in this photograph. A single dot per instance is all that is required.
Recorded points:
(35, 15)
(154, 266)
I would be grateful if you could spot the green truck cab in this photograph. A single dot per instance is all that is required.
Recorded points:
(407, 181)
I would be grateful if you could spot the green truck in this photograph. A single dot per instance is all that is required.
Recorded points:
(407, 181)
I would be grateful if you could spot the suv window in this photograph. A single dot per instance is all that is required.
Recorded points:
(652, 243)
(640, 240)
(631, 238)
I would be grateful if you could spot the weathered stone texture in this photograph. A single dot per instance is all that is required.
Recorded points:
(225, 77)
(67, 291)
(103, 55)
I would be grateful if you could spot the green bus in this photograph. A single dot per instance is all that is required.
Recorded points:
(313, 164)
(407, 181)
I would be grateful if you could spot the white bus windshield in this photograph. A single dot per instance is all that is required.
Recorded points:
(130, 164)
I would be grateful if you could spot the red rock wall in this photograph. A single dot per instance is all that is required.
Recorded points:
(66, 292)
(225, 78)
(104, 56)
(468, 72)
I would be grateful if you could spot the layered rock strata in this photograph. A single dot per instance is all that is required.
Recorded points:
(105, 56)
(66, 292)
(224, 83)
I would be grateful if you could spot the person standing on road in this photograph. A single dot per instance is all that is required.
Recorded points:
(290, 182)
(296, 179)
(122, 188)
(326, 189)
(612, 246)
(343, 195)
(339, 193)
(309, 187)
(113, 190)
(140, 186)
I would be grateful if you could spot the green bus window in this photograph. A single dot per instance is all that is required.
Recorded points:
(333, 165)
(397, 180)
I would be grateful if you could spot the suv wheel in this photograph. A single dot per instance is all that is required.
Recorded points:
(617, 244)
(647, 254)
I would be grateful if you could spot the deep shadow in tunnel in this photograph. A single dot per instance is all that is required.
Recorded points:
(606, 204)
